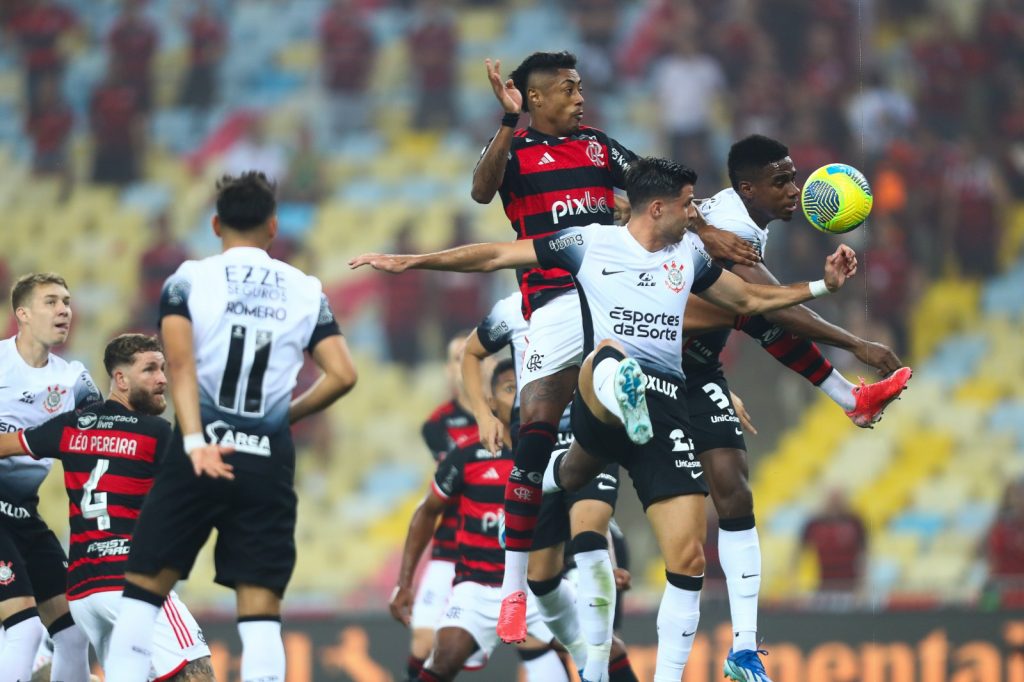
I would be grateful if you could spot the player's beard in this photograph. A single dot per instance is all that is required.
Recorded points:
(146, 402)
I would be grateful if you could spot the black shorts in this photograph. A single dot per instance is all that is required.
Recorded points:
(713, 421)
(553, 522)
(32, 562)
(254, 516)
(667, 465)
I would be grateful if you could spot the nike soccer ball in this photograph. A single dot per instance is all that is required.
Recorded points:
(836, 198)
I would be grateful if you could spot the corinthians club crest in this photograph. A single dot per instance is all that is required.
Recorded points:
(674, 276)
(54, 398)
(6, 572)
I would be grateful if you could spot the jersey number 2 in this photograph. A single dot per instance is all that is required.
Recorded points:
(252, 400)
(94, 504)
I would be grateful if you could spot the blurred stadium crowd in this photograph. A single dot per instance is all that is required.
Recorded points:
(115, 116)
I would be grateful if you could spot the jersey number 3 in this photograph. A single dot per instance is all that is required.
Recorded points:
(94, 504)
(252, 400)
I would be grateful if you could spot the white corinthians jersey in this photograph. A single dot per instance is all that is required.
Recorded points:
(628, 293)
(726, 211)
(505, 326)
(252, 319)
(30, 396)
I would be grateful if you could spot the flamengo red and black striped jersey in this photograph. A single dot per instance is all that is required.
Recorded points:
(448, 428)
(474, 479)
(110, 456)
(552, 183)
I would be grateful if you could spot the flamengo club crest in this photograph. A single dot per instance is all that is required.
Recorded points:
(674, 278)
(54, 398)
(6, 572)
(595, 152)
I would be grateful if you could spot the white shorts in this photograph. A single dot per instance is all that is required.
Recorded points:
(555, 338)
(474, 608)
(177, 639)
(432, 594)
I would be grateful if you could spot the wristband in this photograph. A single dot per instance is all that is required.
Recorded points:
(510, 120)
(193, 441)
(818, 288)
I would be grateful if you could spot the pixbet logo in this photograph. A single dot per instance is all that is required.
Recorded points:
(573, 206)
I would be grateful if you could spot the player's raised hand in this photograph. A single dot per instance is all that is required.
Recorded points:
(879, 356)
(491, 433)
(726, 246)
(741, 411)
(507, 93)
(382, 261)
(401, 605)
(839, 267)
(208, 460)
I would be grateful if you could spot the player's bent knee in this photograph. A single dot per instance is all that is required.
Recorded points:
(737, 503)
(688, 559)
(256, 600)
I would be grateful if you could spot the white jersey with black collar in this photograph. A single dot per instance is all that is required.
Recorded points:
(726, 211)
(252, 318)
(30, 396)
(627, 293)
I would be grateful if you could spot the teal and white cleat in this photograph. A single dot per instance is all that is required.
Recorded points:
(745, 666)
(630, 392)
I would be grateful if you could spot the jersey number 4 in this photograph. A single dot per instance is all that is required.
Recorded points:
(94, 504)
(252, 399)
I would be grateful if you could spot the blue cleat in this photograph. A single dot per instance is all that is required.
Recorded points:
(630, 392)
(745, 666)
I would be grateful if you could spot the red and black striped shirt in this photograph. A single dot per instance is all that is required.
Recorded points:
(448, 427)
(110, 456)
(552, 183)
(473, 480)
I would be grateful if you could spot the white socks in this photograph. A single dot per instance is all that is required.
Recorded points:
(515, 572)
(740, 554)
(836, 387)
(22, 633)
(131, 641)
(677, 625)
(262, 650)
(604, 385)
(70, 655)
(558, 609)
(546, 668)
(597, 610)
(550, 484)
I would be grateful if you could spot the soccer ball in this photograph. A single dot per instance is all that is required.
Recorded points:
(836, 198)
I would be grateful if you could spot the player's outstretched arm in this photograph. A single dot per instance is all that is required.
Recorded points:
(472, 380)
(10, 444)
(490, 169)
(804, 322)
(486, 257)
(732, 293)
(421, 530)
(338, 377)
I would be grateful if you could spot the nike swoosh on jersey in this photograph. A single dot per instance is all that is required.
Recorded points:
(606, 271)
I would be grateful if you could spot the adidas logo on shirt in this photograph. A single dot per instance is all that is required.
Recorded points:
(491, 474)
(546, 159)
